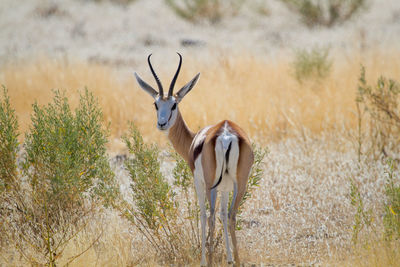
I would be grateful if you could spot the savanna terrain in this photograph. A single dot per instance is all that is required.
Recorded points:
(304, 85)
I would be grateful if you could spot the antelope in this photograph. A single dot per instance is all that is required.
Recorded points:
(220, 157)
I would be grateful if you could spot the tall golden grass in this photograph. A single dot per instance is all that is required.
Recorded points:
(262, 96)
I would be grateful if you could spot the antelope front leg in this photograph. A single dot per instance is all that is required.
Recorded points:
(200, 190)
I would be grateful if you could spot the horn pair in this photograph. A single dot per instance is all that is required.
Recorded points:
(172, 85)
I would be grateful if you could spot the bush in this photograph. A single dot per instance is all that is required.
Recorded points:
(379, 113)
(378, 136)
(154, 210)
(314, 64)
(199, 10)
(325, 12)
(66, 173)
(8, 163)
(363, 217)
(8, 143)
(391, 219)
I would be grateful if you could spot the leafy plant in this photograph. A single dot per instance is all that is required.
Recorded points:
(311, 64)
(8, 163)
(362, 217)
(66, 173)
(8, 143)
(325, 12)
(381, 105)
(198, 10)
(154, 209)
(391, 219)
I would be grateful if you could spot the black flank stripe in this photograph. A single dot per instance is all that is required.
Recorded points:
(197, 150)
(227, 153)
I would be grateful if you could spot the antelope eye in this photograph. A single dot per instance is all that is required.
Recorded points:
(174, 106)
(155, 105)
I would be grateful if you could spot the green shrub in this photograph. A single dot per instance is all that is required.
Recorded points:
(313, 64)
(154, 209)
(210, 10)
(362, 217)
(391, 219)
(8, 164)
(380, 112)
(66, 173)
(325, 12)
(378, 136)
(8, 143)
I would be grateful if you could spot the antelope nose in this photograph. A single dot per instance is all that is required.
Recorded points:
(162, 124)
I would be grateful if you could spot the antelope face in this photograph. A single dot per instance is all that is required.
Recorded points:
(167, 111)
(166, 106)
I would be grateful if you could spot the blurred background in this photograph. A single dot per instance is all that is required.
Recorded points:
(294, 62)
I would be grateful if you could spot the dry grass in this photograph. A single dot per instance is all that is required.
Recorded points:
(301, 214)
(260, 95)
(377, 253)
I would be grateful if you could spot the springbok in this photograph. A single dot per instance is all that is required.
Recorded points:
(220, 157)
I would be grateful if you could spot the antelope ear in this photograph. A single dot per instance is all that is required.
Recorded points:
(186, 89)
(150, 90)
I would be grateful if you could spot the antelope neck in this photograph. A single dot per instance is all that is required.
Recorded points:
(181, 136)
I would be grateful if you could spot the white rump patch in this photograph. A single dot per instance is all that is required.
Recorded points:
(226, 148)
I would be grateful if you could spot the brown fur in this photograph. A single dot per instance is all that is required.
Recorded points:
(181, 137)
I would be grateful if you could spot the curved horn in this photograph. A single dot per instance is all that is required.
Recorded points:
(160, 88)
(171, 87)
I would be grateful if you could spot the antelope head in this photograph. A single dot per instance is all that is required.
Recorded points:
(166, 106)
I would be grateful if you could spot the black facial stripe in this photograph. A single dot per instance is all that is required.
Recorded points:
(155, 104)
(174, 106)
(170, 115)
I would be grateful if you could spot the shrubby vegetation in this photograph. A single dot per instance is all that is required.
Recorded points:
(63, 174)
(391, 219)
(325, 12)
(379, 116)
(8, 162)
(8, 144)
(378, 138)
(311, 64)
(209, 10)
